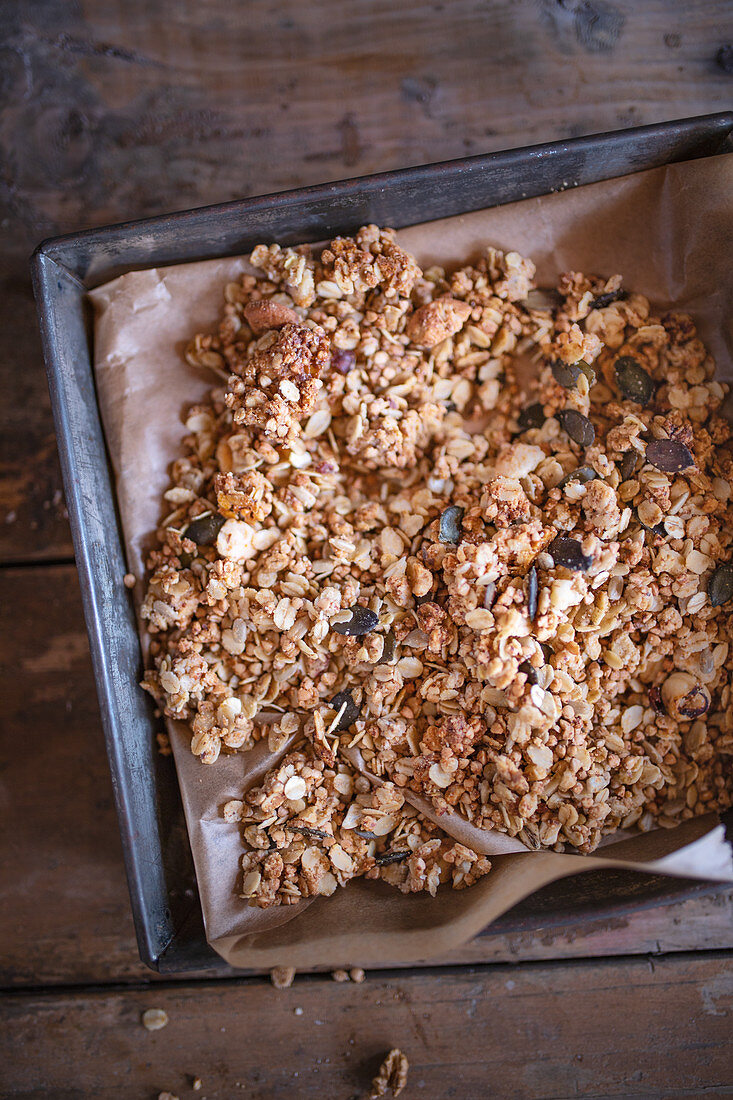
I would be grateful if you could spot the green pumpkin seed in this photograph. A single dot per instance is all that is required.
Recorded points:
(391, 857)
(568, 553)
(567, 374)
(531, 417)
(720, 585)
(577, 426)
(627, 464)
(633, 381)
(583, 474)
(362, 621)
(351, 710)
(533, 590)
(203, 531)
(669, 455)
(604, 300)
(450, 525)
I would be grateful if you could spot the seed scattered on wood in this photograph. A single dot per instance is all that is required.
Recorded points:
(203, 531)
(669, 455)
(350, 712)
(720, 585)
(568, 553)
(533, 589)
(361, 622)
(531, 417)
(450, 524)
(577, 426)
(633, 381)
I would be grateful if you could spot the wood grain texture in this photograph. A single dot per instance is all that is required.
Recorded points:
(62, 852)
(120, 110)
(626, 1028)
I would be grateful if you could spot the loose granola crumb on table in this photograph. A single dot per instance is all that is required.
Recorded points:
(433, 580)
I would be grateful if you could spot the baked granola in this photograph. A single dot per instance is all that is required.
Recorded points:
(442, 535)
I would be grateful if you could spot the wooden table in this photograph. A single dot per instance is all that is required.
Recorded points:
(119, 110)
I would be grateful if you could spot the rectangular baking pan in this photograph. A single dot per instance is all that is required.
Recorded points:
(160, 873)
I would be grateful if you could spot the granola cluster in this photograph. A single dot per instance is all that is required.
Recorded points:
(445, 535)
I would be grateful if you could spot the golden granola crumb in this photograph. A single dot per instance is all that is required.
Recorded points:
(282, 976)
(340, 975)
(129, 580)
(357, 975)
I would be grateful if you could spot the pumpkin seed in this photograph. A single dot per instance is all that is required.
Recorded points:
(531, 417)
(450, 524)
(390, 645)
(543, 298)
(568, 374)
(669, 455)
(577, 426)
(391, 857)
(633, 381)
(583, 474)
(627, 464)
(306, 830)
(529, 671)
(720, 585)
(533, 589)
(361, 622)
(351, 710)
(203, 531)
(568, 553)
(604, 300)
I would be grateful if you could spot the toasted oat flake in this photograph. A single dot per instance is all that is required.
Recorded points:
(414, 574)
(154, 1019)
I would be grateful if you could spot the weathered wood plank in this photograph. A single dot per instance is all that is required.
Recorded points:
(625, 1028)
(115, 111)
(62, 854)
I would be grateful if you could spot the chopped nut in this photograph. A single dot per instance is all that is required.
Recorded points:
(392, 1075)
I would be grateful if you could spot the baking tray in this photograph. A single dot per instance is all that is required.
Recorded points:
(160, 872)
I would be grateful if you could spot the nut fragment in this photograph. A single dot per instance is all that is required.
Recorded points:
(392, 1075)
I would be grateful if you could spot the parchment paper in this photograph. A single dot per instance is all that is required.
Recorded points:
(668, 232)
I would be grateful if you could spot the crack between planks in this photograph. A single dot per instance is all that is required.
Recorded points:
(393, 975)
